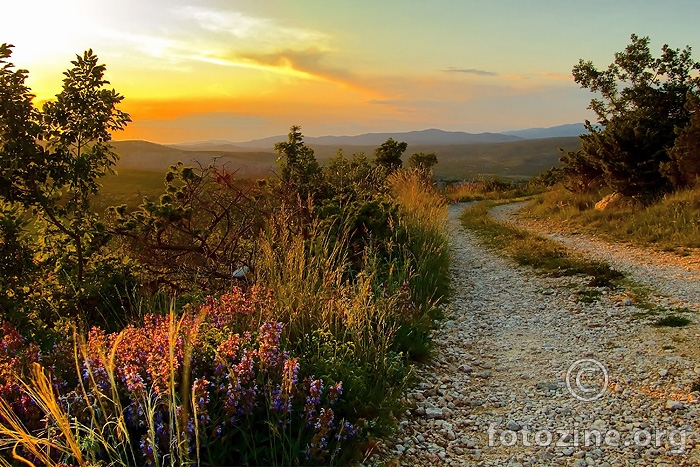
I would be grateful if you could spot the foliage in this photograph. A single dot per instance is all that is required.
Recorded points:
(351, 179)
(197, 233)
(297, 163)
(579, 173)
(388, 155)
(422, 161)
(185, 388)
(683, 169)
(51, 163)
(642, 103)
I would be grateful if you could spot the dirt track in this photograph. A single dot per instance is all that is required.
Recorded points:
(496, 393)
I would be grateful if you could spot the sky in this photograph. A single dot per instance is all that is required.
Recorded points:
(236, 70)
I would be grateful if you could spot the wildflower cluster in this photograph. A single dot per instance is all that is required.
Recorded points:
(15, 357)
(178, 398)
(237, 305)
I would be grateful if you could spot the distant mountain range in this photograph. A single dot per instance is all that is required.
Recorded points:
(429, 137)
(571, 129)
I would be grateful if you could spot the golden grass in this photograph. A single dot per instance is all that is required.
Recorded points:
(671, 224)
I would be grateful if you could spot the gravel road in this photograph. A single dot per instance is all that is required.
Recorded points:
(525, 374)
(676, 277)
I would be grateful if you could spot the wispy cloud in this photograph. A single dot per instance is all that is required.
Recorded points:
(309, 62)
(229, 38)
(248, 30)
(557, 76)
(385, 102)
(472, 71)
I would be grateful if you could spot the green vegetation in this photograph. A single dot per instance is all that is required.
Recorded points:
(493, 188)
(533, 250)
(220, 319)
(388, 155)
(673, 321)
(56, 264)
(672, 223)
(644, 143)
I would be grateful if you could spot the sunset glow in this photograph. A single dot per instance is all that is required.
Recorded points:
(237, 70)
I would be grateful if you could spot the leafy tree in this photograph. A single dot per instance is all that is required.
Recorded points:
(641, 103)
(297, 163)
(388, 155)
(422, 161)
(683, 169)
(19, 129)
(350, 178)
(51, 163)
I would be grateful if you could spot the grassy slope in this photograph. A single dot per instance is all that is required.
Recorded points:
(129, 187)
(672, 224)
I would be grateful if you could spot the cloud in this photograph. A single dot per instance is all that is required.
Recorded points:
(237, 26)
(309, 62)
(472, 71)
(385, 102)
(557, 76)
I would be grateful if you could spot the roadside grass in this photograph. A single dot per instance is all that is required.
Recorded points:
(361, 327)
(550, 257)
(671, 224)
(538, 252)
(589, 295)
(673, 321)
(483, 188)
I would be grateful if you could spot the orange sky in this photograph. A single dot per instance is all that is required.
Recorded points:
(238, 70)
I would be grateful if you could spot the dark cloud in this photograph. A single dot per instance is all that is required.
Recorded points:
(472, 71)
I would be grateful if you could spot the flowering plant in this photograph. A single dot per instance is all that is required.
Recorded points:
(168, 396)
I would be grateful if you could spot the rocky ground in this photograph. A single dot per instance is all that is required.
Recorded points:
(525, 374)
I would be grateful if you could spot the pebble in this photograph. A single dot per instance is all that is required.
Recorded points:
(513, 426)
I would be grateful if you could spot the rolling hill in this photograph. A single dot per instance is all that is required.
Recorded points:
(143, 155)
(519, 158)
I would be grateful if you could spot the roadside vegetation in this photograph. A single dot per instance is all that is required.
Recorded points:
(672, 223)
(635, 177)
(218, 320)
(536, 251)
(482, 188)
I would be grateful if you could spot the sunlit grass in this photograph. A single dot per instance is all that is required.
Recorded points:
(671, 224)
(483, 188)
(530, 249)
